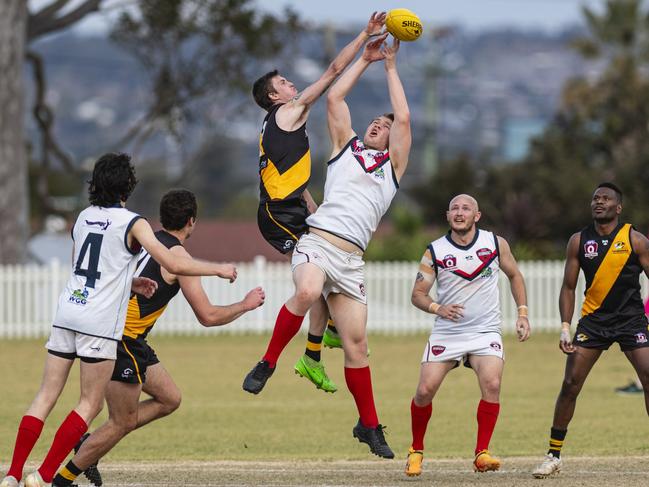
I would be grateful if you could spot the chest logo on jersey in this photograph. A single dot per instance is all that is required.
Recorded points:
(590, 249)
(101, 225)
(449, 261)
(79, 297)
(640, 338)
(380, 174)
(484, 254)
(620, 248)
(375, 158)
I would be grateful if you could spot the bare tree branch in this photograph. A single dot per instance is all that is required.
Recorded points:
(48, 11)
(37, 28)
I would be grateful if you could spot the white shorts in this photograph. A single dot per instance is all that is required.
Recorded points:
(344, 271)
(72, 343)
(458, 347)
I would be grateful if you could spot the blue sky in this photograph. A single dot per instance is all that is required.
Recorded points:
(473, 14)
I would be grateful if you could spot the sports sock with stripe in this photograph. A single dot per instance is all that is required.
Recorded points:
(67, 475)
(313, 347)
(556, 441)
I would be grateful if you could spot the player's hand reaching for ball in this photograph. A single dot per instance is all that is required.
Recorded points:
(375, 24)
(228, 271)
(451, 312)
(523, 329)
(373, 51)
(254, 299)
(390, 53)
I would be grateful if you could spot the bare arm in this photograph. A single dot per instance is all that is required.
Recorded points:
(420, 297)
(292, 115)
(517, 284)
(567, 293)
(641, 248)
(339, 119)
(400, 133)
(176, 264)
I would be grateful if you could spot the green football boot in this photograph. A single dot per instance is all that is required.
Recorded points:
(315, 372)
(331, 339)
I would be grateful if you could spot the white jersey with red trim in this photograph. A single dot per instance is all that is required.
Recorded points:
(360, 186)
(468, 275)
(95, 298)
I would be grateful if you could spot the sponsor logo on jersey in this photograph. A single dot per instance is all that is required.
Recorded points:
(640, 338)
(620, 248)
(483, 254)
(288, 244)
(590, 249)
(449, 261)
(101, 225)
(582, 337)
(496, 346)
(79, 297)
(361, 286)
(605, 242)
(486, 273)
(380, 174)
(468, 257)
(437, 349)
(126, 373)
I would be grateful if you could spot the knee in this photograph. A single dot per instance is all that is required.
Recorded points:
(171, 403)
(306, 296)
(570, 387)
(424, 394)
(356, 346)
(492, 387)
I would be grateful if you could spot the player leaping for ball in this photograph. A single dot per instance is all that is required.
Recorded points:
(285, 202)
(362, 179)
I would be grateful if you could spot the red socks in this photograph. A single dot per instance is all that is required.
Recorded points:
(286, 327)
(487, 417)
(359, 383)
(419, 420)
(28, 432)
(67, 436)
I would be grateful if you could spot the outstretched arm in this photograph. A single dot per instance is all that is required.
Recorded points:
(338, 117)
(567, 293)
(400, 133)
(517, 283)
(293, 114)
(176, 264)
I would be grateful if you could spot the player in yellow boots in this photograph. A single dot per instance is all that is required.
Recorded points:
(484, 462)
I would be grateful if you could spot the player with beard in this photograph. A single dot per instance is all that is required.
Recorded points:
(612, 255)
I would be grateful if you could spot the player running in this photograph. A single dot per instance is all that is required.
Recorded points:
(465, 263)
(137, 367)
(612, 255)
(92, 308)
(362, 179)
(285, 170)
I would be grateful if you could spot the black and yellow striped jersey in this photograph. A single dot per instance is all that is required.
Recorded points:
(142, 312)
(612, 271)
(284, 160)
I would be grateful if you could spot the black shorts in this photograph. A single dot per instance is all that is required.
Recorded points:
(134, 356)
(630, 335)
(282, 223)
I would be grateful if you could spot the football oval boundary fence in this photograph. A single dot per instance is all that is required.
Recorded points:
(29, 296)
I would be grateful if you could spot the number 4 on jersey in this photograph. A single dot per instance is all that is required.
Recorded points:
(92, 243)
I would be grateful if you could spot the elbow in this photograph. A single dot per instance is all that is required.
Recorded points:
(402, 117)
(413, 299)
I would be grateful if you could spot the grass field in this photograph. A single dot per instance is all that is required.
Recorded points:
(291, 430)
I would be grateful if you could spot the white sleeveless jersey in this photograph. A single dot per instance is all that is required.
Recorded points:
(360, 186)
(468, 275)
(95, 298)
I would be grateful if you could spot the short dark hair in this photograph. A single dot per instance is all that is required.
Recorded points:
(618, 191)
(177, 206)
(389, 115)
(113, 180)
(264, 87)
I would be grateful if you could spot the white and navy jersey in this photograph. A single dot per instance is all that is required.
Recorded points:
(95, 298)
(360, 186)
(468, 275)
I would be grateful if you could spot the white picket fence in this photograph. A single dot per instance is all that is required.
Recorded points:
(28, 297)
